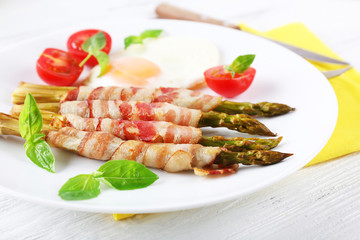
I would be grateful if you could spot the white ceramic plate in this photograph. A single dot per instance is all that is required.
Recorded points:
(281, 76)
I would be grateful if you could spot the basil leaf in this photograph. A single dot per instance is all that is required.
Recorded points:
(95, 42)
(241, 63)
(93, 46)
(30, 125)
(80, 187)
(39, 152)
(30, 120)
(37, 137)
(119, 174)
(150, 33)
(131, 40)
(139, 39)
(103, 60)
(125, 175)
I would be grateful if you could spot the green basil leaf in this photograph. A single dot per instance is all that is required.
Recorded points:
(80, 187)
(30, 120)
(93, 46)
(103, 60)
(241, 63)
(30, 125)
(36, 138)
(39, 152)
(125, 175)
(228, 68)
(132, 40)
(139, 39)
(95, 42)
(151, 33)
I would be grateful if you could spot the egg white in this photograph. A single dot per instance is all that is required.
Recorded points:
(182, 61)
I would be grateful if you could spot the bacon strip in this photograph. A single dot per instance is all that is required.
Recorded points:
(177, 96)
(148, 131)
(105, 146)
(132, 111)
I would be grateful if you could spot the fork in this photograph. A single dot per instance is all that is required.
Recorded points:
(334, 73)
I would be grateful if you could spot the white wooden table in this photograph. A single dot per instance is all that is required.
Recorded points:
(319, 202)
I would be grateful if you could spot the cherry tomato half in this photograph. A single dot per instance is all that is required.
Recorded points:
(221, 81)
(57, 67)
(77, 39)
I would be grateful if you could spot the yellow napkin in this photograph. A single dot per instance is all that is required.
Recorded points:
(121, 216)
(346, 136)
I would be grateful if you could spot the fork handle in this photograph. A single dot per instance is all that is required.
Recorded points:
(168, 11)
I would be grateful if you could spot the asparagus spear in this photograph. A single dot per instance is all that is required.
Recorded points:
(9, 125)
(46, 109)
(41, 93)
(239, 122)
(263, 109)
(53, 94)
(250, 157)
(240, 144)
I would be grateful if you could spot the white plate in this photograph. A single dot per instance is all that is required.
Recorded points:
(281, 76)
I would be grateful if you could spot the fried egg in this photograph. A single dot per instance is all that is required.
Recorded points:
(165, 61)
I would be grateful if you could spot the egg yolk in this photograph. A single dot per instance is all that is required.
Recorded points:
(133, 70)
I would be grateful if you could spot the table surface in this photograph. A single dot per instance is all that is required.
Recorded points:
(318, 202)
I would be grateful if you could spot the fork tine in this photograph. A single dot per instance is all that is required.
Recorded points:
(334, 73)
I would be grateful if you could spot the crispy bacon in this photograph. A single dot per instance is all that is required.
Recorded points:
(105, 146)
(132, 111)
(177, 96)
(148, 131)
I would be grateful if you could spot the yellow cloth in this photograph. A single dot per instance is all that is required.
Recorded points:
(346, 136)
(121, 216)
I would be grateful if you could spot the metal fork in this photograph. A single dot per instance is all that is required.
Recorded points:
(334, 73)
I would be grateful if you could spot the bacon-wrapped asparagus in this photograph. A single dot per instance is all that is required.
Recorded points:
(166, 156)
(164, 132)
(147, 131)
(105, 146)
(133, 111)
(154, 131)
(180, 97)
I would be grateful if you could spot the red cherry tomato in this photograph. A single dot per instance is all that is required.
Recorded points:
(57, 67)
(77, 39)
(221, 81)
